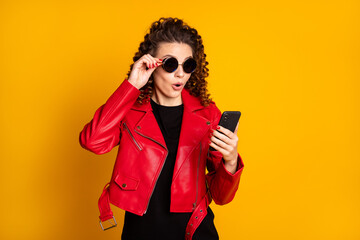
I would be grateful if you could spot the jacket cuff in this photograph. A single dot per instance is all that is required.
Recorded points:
(127, 88)
(228, 175)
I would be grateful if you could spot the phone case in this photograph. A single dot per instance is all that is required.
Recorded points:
(229, 120)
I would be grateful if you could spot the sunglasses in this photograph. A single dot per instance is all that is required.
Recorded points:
(171, 64)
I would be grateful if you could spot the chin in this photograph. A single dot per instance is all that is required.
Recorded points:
(174, 94)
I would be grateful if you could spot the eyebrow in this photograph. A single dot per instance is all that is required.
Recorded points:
(169, 55)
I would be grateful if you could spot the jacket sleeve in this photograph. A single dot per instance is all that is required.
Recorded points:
(222, 184)
(102, 133)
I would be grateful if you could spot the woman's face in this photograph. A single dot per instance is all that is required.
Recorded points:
(168, 86)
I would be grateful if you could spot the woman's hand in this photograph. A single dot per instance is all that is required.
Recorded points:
(139, 74)
(226, 143)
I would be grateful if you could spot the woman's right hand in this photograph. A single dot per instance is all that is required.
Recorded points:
(139, 74)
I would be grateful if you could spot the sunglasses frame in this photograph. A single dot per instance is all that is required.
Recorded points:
(190, 58)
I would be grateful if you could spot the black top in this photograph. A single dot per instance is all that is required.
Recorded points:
(159, 223)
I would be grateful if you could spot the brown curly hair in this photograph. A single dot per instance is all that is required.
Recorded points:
(175, 30)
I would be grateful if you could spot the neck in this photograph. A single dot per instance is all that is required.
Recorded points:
(165, 101)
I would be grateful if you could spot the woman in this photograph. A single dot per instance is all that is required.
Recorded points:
(163, 120)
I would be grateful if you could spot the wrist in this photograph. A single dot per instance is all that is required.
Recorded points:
(231, 165)
(132, 82)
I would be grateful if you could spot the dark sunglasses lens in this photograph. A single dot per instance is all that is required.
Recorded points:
(170, 65)
(189, 65)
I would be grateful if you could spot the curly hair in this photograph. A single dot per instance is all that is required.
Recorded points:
(172, 30)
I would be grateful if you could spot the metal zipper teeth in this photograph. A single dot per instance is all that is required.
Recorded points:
(132, 137)
(157, 178)
(197, 178)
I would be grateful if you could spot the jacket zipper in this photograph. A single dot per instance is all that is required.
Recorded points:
(132, 137)
(197, 180)
(157, 178)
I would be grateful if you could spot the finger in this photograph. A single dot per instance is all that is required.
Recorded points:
(158, 62)
(142, 62)
(236, 129)
(149, 60)
(151, 65)
(226, 131)
(154, 62)
(155, 59)
(221, 136)
(152, 57)
(218, 148)
(221, 143)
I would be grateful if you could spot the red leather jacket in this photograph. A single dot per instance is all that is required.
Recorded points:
(142, 152)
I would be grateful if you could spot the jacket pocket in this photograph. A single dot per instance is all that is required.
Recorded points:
(127, 183)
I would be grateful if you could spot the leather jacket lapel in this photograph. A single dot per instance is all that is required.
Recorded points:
(193, 127)
(149, 128)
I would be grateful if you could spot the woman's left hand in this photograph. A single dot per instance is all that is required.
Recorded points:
(226, 143)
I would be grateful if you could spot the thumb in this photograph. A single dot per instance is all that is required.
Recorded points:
(236, 129)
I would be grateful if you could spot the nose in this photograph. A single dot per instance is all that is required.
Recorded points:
(180, 71)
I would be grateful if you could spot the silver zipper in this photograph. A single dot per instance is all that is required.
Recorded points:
(197, 180)
(132, 137)
(157, 178)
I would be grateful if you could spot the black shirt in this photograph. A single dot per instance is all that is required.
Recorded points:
(158, 222)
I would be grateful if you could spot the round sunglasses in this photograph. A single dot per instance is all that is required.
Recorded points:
(171, 64)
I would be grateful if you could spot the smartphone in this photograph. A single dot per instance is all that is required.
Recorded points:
(229, 120)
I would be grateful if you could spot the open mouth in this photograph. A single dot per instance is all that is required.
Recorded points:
(177, 86)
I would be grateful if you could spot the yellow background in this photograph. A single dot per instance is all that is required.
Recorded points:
(290, 67)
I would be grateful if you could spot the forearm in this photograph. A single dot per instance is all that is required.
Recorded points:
(223, 183)
(101, 134)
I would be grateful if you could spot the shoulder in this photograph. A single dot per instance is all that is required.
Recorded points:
(215, 110)
(193, 103)
(212, 112)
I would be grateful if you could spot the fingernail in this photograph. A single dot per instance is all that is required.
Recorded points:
(152, 65)
(156, 64)
(217, 127)
(160, 59)
(209, 142)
